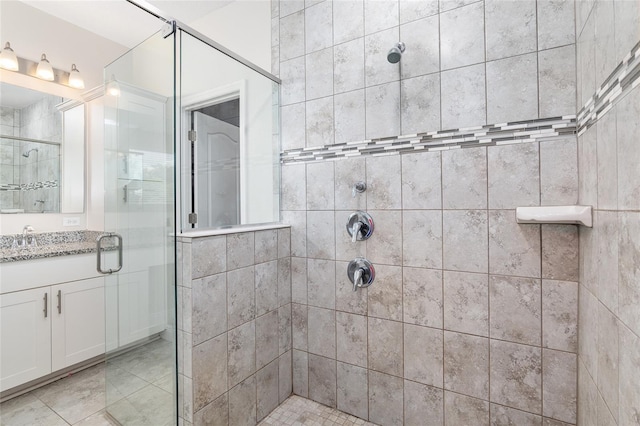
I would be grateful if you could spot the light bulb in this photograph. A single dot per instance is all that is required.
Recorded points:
(45, 70)
(8, 58)
(75, 78)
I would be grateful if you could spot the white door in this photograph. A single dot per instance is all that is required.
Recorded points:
(218, 172)
(25, 336)
(77, 322)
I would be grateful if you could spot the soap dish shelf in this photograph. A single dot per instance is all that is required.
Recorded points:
(559, 215)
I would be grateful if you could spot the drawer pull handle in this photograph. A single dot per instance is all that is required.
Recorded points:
(46, 305)
(59, 301)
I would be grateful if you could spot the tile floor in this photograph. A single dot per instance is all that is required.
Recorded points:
(138, 387)
(297, 411)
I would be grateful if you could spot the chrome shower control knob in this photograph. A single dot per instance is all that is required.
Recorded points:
(359, 226)
(361, 273)
(358, 187)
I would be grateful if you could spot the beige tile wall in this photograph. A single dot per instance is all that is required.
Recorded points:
(234, 326)
(609, 158)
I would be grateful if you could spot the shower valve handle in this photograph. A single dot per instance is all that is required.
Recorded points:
(358, 187)
(359, 226)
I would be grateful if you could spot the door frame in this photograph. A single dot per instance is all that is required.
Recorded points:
(235, 90)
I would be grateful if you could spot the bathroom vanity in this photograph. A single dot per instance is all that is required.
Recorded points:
(49, 320)
(52, 307)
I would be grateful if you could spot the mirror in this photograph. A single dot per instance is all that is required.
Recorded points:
(41, 152)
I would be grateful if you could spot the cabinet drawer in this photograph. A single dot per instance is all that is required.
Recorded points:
(26, 274)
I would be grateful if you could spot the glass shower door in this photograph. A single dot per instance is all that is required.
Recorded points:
(140, 208)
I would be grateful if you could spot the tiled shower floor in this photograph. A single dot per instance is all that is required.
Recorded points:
(301, 411)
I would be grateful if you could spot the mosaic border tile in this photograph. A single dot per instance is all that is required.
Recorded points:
(28, 186)
(492, 134)
(625, 77)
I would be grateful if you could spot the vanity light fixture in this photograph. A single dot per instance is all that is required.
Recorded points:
(42, 70)
(75, 78)
(8, 58)
(45, 70)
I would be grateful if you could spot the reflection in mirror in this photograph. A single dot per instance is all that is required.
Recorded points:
(30, 139)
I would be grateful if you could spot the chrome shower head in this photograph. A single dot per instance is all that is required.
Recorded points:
(395, 53)
(26, 153)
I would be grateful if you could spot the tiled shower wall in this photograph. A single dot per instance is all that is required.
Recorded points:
(467, 63)
(234, 326)
(609, 158)
(472, 318)
(42, 120)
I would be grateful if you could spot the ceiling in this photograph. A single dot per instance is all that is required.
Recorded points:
(121, 22)
(89, 33)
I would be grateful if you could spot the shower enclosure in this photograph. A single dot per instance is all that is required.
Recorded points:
(140, 209)
(161, 179)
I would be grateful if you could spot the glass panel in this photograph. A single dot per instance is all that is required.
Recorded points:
(230, 143)
(139, 206)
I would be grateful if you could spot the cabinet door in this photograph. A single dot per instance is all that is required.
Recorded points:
(77, 322)
(25, 336)
(141, 304)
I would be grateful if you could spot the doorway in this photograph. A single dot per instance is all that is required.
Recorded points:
(215, 165)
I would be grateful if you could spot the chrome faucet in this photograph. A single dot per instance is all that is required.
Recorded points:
(26, 236)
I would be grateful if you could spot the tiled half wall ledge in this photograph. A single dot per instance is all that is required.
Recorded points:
(234, 326)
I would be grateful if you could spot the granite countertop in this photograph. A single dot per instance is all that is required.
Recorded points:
(51, 244)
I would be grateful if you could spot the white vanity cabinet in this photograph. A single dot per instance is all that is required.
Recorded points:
(25, 336)
(47, 325)
(141, 306)
(77, 322)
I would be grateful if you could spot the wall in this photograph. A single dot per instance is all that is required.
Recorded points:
(609, 156)
(234, 326)
(95, 164)
(472, 318)
(242, 27)
(30, 32)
